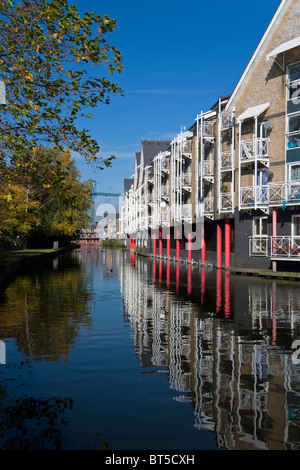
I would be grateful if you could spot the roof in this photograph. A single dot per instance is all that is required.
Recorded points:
(137, 158)
(128, 182)
(286, 46)
(253, 112)
(151, 148)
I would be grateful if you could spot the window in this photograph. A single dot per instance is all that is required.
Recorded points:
(259, 240)
(296, 226)
(293, 114)
(260, 226)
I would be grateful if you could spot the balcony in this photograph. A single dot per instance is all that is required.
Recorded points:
(258, 246)
(226, 120)
(226, 161)
(208, 170)
(255, 150)
(165, 218)
(271, 195)
(208, 207)
(165, 193)
(186, 213)
(226, 202)
(187, 148)
(285, 248)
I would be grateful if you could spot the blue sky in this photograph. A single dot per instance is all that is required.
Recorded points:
(178, 59)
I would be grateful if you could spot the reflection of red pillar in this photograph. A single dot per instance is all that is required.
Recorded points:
(168, 274)
(227, 243)
(168, 246)
(203, 285)
(190, 247)
(160, 271)
(154, 271)
(274, 321)
(189, 280)
(203, 250)
(154, 244)
(227, 295)
(219, 291)
(219, 246)
(160, 243)
(177, 276)
(274, 263)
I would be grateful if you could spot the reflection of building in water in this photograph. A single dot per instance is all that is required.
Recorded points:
(235, 373)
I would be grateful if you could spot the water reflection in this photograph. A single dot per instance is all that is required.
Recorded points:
(225, 343)
(44, 309)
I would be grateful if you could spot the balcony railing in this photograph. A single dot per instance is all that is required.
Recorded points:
(255, 149)
(285, 247)
(165, 191)
(258, 245)
(208, 169)
(186, 212)
(226, 161)
(226, 119)
(272, 194)
(208, 206)
(187, 147)
(226, 202)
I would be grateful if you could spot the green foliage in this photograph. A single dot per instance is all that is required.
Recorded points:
(44, 198)
(50, 60)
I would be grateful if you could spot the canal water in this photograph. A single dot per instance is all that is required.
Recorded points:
(102, 350)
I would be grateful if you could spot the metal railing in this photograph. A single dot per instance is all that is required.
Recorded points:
(285, 247)
(208, 168)
(208, 205)
(259, 245)
(226, 161)
(226, 119)
(226, 201)
(272, 194)
(255, 149)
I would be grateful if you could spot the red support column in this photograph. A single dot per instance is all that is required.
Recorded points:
(177, 246)
(227, 243)
(203, 248)
(154, 244)
(168, 246)
(219, 246)
(160, 243)
(189, 247)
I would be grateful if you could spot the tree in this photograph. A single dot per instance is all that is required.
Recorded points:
(50, 60)
(64, 200)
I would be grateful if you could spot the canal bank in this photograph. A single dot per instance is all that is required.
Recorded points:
(265, 273)
(27, 258)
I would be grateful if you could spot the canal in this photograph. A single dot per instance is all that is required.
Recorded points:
(102, 350)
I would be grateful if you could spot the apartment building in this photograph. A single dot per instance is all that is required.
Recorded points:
(226, 192)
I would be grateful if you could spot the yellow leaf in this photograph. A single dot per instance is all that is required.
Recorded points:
(38, 48)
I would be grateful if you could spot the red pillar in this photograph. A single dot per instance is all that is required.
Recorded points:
(160, 243)
(190, 247)
(219, 246)
(177, 246)
(154, 244)
(227, 243)
(203, 248)
(168, 246)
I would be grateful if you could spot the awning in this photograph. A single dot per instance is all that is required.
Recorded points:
(286, 46)
(253, 112)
